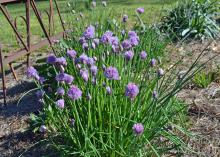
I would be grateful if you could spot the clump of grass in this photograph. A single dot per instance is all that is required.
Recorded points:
(204, 79)
(105, 93)
(191, 19)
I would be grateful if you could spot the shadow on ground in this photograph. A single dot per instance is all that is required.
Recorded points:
(21, 100)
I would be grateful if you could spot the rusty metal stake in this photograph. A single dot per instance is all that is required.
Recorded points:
(3, 76)
(33, 5)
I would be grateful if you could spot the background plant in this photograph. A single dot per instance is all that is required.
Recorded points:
(192, 19)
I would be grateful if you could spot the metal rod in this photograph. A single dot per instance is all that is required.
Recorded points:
(51, 19)
(28, 30)
(61, 20)
(41, 23)
(3, 76)
(13, 71)
(3, 9)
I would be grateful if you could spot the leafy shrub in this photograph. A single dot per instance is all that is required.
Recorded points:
(191, 19)
(106, 94)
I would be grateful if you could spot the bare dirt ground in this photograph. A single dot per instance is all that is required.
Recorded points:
(204, 108)
(14, 139)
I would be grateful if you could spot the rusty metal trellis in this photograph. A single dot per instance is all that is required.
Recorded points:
(27, 47)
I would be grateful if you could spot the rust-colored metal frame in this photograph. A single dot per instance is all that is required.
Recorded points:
(27, 47)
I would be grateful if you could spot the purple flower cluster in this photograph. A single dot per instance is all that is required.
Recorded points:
(60, 104)
(125, 18)
(32, 73)
(133, 40)
(153, 62)
(63, 77)
(40, 94)
(94, 70)
(140, 10)
(138, 128)
(133, 37)
(74, 92)
(111, 73)
(71, 53)
(143, 55)
(129, 55)
(52, 59)
(132, 90)
(84, 74)
(60, 91)
(106, 37)
(89, 32)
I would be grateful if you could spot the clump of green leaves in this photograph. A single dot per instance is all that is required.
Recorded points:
(203, 79)
(191, 19)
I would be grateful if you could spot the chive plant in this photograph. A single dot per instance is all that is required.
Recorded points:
(105, 93)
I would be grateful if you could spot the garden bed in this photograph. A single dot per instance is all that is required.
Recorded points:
(14, 140)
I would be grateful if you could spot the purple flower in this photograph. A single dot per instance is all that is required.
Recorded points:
(82, 40)
(40, 94)
(84, 74)
(134, 41)
(126, 44)
(90, 61)
(111, 73)
(60, 104)
(154, 94)
(32, 73)
(132, 34)
(108, 89)
(60, 91)
(61, 61)
(138, 128)
(153, 62)
(125, 18)
(43, 128)
(89, 32)
(74, 93)
(116, 48)
(160, 72)
(131, 90)
(71, 53)
(51, 59)
(83, 58)
(94, 70)
(42, 80)
(140, 10)
(143, 55)
(129, 55)
(63, 77)
(85, 46)
(106, 37)
(114, 41)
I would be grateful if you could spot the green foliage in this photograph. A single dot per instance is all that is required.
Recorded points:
(191, 19)
(103, 121)
(203, 79)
